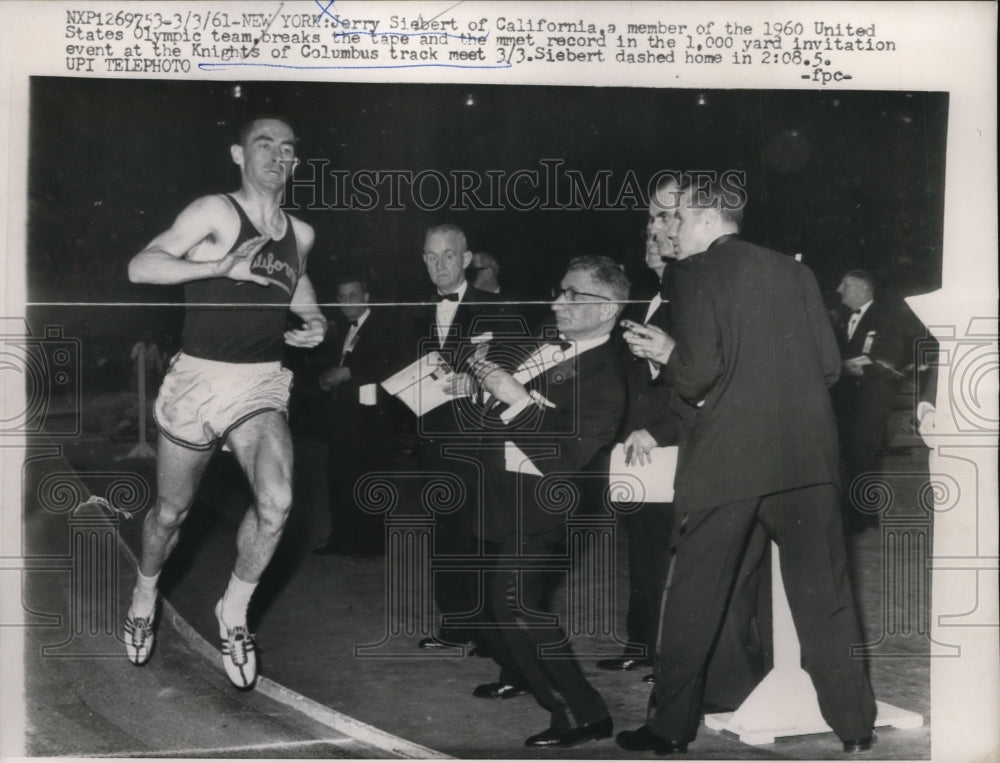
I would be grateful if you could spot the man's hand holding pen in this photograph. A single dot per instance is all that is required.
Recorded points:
(648, 342)
(495, 381)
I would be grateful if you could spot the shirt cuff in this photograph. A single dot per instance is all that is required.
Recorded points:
(534, 398)
(511, 413)
(923, 408)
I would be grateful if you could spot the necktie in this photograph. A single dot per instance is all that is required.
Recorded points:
(852, 323)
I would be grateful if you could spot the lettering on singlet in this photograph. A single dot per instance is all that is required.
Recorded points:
(244, 322)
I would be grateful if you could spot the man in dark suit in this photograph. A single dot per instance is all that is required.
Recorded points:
(453, 317)
(558, 408)
(753, 351)
(649, 423)
(871, 335)
(655, 418)
(361, 417)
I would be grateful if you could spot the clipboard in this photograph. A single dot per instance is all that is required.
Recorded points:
(422, 384)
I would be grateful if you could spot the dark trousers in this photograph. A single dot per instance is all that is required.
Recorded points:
(450, 494)
(863, 412)
(742, 653)
(362, 443)
(648, 533)
(522, 622)
(708, 548)
(741, 656)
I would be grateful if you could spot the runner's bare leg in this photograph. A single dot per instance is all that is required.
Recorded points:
(263, 447)
(178, 473)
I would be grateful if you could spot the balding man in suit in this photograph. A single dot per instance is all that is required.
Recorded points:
(873, 346)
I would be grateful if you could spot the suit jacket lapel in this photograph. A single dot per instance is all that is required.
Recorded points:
(581, 364)
(857, 341)
(454, 331)
(560, 373)
(465, 316)
(432, 327)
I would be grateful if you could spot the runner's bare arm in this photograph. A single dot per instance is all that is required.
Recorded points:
(164, 260)
(303, 302)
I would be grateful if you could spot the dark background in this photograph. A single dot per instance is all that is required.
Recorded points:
(850, 179)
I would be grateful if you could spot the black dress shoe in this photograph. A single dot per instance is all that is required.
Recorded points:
(644, 740)
(499, 691)
(571, 737)
(622, 663)
(862, 744)
(649, 679)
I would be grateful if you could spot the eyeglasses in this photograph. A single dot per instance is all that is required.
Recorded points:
(570, 294)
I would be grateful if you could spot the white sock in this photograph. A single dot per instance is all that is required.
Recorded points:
(144, 596)
(235, 602)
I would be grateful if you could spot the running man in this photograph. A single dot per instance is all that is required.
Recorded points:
(242, 262)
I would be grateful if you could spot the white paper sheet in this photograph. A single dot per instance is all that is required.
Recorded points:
(653, 482)
(422, 385)
(516, 461)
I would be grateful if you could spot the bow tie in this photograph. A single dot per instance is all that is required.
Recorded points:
(354, 324)
(453, 297)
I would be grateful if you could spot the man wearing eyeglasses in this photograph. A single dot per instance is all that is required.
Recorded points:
(556, 410)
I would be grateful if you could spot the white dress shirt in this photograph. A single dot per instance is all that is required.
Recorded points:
(540, 361)
(352, 334)
(654, 305)
(855, 319)
(445, 313)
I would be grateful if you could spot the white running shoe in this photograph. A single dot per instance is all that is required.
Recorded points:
(239, 656)
(139, 637)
